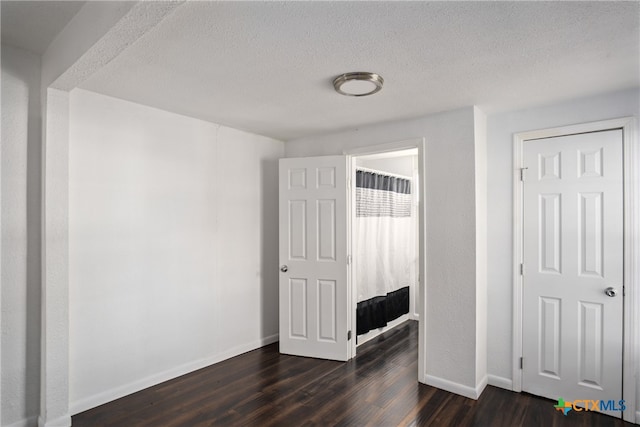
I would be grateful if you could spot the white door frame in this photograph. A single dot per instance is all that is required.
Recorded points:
(631, 319)
(408, 144)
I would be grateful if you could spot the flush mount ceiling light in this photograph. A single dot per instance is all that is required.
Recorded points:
(358, 84)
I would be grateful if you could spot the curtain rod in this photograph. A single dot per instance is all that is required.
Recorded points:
(395, 175)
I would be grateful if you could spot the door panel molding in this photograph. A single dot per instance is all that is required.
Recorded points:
(314, 288)
(631, 179)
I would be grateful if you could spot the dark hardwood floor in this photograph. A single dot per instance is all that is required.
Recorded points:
(378, 388)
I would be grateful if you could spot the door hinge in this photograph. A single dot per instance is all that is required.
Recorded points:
(522, 173)
(348, 335)
(348, 259)
(521, 362)
(522, 269)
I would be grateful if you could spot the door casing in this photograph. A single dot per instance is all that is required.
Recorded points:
(631, 317)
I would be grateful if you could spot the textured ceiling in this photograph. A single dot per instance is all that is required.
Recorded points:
(267, 67)
(32, 25)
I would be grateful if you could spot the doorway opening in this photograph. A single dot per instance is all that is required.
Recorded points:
(385, 241)
(317, 214)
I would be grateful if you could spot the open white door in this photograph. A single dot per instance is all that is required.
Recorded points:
(314, 292)
(573, 269)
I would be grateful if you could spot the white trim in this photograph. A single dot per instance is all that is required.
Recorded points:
(481, 386)
(501, 382)
(405, 144)
(63, 421)
(135, 386)
(462, 390)
(517, 260)
(631, 249)
(631, 340)
(351, 294)
(637, 421)
(26, 422)
(420, 145)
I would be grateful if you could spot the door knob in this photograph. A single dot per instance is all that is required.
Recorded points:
(284, 268)
(611, 291)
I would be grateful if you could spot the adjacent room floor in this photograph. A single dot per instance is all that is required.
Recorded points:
(377, 388)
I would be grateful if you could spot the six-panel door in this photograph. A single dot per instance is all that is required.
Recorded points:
(313, 257)
(573, 252)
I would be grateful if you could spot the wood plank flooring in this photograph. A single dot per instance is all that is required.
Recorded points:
(378, 388)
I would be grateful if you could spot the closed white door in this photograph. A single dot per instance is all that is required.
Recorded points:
(314, 291)
(573, 267)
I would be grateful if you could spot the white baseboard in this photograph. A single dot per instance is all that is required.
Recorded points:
(135, 386)
(501, 382)
(462, 390)
(481, 386)
(63, 421)
(638, 417)
(27, 422)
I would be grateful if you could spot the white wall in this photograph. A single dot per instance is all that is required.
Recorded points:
(20, 262)
(501, 128)
(401, 165)
(172, 227)
(451, 231)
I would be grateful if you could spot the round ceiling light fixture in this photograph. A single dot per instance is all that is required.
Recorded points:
(358, 84)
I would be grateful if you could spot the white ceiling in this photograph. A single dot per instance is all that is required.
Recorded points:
(267, 67)
(32, 25)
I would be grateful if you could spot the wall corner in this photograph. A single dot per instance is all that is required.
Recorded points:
(481, 249)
